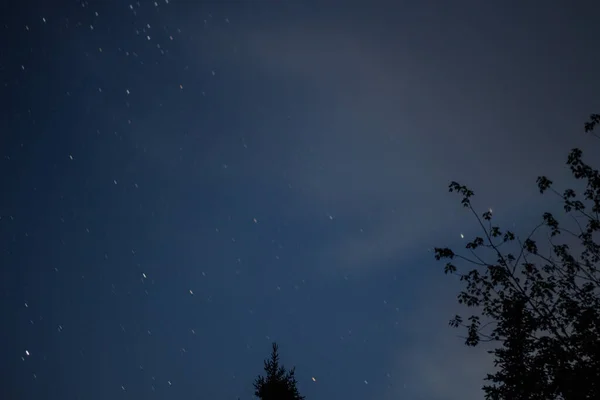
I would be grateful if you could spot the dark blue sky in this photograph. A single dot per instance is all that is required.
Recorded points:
(183, 183)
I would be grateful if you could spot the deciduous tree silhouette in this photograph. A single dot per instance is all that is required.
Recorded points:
(539, 304)
(278, 383)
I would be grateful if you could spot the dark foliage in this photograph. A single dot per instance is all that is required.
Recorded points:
(540, 309)
(278, 383)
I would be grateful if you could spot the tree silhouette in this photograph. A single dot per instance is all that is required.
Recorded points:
(278, 383)
(539, 305)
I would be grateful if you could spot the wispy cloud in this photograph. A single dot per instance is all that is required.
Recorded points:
(386, 137)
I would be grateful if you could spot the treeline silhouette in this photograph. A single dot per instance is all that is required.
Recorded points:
(538, 304)
(277, 383)
(536, 298)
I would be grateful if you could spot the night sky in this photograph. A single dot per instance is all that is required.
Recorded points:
(184, 182)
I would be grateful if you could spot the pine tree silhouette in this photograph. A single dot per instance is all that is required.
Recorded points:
(277, 384)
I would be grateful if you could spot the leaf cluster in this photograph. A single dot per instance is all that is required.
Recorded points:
(539, 304)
